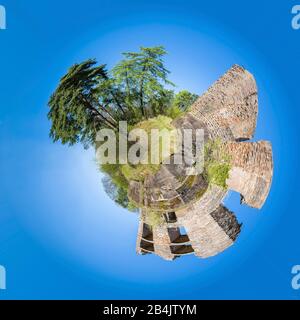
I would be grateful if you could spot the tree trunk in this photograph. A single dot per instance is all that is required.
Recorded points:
(98, 114)
(141, 92)
(117, 102)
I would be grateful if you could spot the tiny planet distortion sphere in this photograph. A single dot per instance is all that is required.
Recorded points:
(193, 218)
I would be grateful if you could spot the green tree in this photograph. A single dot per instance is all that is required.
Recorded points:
(184, 99)
(142, 77)
(76, 112)
(117, 193)
(89, 98)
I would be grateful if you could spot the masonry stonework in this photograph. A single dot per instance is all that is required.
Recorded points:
(201, 224)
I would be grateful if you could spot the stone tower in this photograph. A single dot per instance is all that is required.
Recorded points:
(189, 231)
(196, 221)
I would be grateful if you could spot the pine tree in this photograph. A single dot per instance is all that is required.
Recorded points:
(75, 111)
(143, 76)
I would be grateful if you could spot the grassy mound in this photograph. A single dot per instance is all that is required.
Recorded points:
(163, 125)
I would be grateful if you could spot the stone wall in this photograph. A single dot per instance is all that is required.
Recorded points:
(208, 233)
(228, 111)
(229, 107)
(251, 172)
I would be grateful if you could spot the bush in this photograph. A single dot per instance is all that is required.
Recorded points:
(216, 163)
(154, 219)
(217, 173)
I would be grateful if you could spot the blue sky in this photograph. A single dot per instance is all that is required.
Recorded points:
(60, 235)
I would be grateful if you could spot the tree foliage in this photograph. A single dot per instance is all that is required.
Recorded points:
(75, 110)
(184, 99)
(216, 163)
(142, 77)
(89, 97)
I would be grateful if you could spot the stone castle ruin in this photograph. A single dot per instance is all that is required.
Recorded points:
(195, 220)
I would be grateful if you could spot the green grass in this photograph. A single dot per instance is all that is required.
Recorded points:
(216, 167)
(140, 171)
(154, 219)
(217, 173)
(216, 163)
(122, 174)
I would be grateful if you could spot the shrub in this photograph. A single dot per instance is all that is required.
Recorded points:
(154, 219)
(216, 163)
